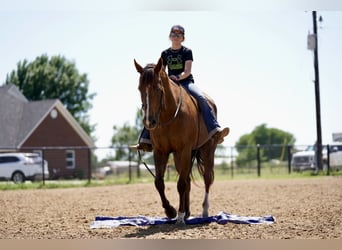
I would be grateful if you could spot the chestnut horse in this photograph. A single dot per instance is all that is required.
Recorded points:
(176, 126)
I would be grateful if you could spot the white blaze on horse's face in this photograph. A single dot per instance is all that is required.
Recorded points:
(147, 103)
(151, 95)
(151, 113)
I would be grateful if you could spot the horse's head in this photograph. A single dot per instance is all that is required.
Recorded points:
(151, 92)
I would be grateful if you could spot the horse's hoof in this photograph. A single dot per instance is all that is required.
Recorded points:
(180, 222)
(205, 214)
(180, 219)
(171, 212)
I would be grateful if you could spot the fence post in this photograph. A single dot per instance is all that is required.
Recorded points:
(232, 162)
(139, 162)
(129, 167)
(89, 165)
(258, 160)
(43, 168)
(289, 158)
(328, 159)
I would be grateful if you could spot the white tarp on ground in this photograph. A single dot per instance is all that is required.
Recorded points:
(220, 218)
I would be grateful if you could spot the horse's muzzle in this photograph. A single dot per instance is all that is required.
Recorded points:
(151, 122)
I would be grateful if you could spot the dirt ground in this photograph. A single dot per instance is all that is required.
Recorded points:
(304, 209)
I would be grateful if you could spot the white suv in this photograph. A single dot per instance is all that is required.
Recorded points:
(19, 167)
(336, 156)
(305, 160)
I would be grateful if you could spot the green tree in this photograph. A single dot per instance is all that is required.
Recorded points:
(272, 140)
(55, 78)
(126, 135)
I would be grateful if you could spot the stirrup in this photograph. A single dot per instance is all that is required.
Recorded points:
(142, 146)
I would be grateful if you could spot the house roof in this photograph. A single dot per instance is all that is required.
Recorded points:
(19, 117)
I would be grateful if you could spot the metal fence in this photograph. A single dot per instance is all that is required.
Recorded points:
(230, 162)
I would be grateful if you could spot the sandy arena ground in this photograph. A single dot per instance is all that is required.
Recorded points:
(304, 209)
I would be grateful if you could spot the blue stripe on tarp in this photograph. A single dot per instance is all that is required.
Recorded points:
(220, 218)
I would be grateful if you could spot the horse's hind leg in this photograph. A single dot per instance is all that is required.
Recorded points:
(205, 205)
(208, 180)
(207, 156)
(160, 164)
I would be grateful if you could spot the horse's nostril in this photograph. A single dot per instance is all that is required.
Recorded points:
(151, 122)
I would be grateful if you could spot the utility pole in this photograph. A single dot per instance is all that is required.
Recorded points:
(317, 96)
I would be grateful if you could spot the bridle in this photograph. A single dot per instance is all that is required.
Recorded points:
(162, 104)
(180, 101)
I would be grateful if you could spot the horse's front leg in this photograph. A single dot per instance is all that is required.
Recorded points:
(183, 165)
(183, 186)
(160, 160)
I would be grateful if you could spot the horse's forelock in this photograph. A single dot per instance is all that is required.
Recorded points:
(150, 66)
(148, 75)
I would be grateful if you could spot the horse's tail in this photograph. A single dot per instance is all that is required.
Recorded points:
(206, 172)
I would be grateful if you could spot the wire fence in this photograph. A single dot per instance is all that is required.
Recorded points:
(123, 164)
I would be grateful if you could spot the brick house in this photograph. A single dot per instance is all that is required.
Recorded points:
(45, 127)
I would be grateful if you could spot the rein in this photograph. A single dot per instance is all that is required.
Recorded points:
(177, 110)
(165, 124)
(168, 122)
(145, 164)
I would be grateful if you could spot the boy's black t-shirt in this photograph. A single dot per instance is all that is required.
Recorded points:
(175, 61)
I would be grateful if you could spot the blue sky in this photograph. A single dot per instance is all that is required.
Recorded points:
(253, 63)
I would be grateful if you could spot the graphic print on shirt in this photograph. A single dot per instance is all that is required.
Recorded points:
(175, 63)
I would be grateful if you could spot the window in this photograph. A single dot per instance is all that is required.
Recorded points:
(8, 159)
(70, 158)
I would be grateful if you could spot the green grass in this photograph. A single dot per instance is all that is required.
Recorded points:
(221, 174)
(113, 180)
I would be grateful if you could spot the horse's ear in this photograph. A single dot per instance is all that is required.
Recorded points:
(138, 67)
(159, 65)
